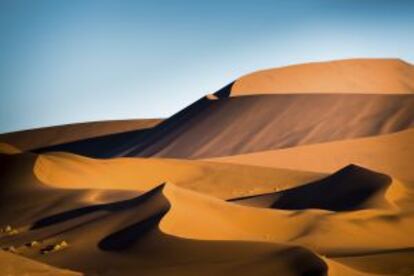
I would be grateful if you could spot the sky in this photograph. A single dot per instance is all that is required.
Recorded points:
(86, 60)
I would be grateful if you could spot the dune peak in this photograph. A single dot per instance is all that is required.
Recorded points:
(359, 75)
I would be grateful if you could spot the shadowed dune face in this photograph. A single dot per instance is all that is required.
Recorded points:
(392, 154)
(43, 137)
(376, 76)
(229, 126)
(351, 188)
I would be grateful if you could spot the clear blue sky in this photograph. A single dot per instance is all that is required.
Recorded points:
(71, 61)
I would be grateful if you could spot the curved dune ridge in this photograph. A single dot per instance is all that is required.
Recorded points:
(73, 171)
(101, 236)
(376, 76)
(154, 233)
(351, 188)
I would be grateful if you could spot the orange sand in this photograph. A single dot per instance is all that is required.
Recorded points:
(376, 76)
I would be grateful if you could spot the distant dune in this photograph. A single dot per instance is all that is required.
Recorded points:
(301, 170)
(374, 76)
(48, 136)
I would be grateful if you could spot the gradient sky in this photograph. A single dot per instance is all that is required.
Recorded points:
(72, 61)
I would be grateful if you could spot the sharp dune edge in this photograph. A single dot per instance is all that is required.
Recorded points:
(313, 178)
(376, 76)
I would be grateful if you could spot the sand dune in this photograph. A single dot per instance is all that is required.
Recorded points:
(351, 188)
(48, 136)
(303, 104)
(18, 179)
(70, 171)
(377, 76)
(229, 126)
(392, 154)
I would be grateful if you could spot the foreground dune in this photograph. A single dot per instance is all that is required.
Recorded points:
(90, 225)
(155, 233)
(391, 153)
(378, 76)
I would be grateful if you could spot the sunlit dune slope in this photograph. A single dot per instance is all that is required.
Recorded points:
(24, 198)
(48, 136)
(392, 154)
(331, 233)
(229, 126)
(70, 171)
(378, 76)
(8, 149)
(352, 238)
(13, 265)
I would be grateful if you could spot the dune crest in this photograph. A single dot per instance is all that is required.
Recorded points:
(63, 170)
(374, 76)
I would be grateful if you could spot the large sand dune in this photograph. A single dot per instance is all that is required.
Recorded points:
(228, 126)
(303, 170)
